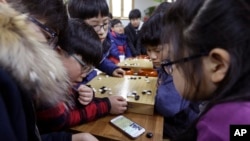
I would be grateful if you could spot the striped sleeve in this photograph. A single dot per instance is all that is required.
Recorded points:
(61, 117)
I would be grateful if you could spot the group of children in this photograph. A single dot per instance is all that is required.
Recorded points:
(126, 40)
(198, 49)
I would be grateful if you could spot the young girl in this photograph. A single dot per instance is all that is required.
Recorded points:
(208, 60)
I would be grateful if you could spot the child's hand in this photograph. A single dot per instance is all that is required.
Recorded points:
(118, 72)
(118, 104)
(86, 94)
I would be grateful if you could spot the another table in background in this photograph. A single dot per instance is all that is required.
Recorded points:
(139, 66)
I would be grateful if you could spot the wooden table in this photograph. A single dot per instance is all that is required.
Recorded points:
(144, 87)
(106, 132)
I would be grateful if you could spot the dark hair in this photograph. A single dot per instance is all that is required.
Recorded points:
(110, 16)
(209, 24)
(162, 7)
(114, 22)
(86, 9)
(80, 38)
(151, 30)
(52, 11)
(134, 14)
(178, 17)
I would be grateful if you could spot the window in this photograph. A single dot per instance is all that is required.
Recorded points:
(121, 8)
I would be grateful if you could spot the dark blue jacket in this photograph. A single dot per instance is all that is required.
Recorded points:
(119, 46)
(89, 77)
(178, 113)
(105, 64)
(17, 120)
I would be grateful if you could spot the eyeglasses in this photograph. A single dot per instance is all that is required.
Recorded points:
(167, 64)
(50, 34)
(85, 68)
(99, 27)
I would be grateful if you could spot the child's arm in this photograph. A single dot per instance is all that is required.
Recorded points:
(62, 116)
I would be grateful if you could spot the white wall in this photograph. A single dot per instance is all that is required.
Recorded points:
(142, 5)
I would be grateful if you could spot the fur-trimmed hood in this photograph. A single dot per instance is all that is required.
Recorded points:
(34, 65)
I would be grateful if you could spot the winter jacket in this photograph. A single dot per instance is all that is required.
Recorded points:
(106, 65)
(118, 47)
(31, 75)
(133, 40)
(178, 113)
(17, 120)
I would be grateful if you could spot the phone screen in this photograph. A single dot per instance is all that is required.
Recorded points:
(128, 126)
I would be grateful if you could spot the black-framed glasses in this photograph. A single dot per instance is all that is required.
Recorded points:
(167, 64)
(49, 33)
(84, 67)
(99, 27)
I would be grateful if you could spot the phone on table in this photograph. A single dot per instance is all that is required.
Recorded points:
(126, 125)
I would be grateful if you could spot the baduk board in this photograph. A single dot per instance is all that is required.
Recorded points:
(138, 90)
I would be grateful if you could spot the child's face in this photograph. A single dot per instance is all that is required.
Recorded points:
(118, 28)
(205, 88)
(75, 70)
(157, 54)
(200, 83)
(100, 24)
(135, 22)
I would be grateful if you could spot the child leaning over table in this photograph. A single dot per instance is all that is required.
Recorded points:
(178, 113)
(79, 49)
(24, 76)
(118, 40)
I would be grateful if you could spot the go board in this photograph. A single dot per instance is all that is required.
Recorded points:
(138, 90)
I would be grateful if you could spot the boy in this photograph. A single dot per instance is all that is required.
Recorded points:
(96, 14)
(32, 75)
(85, 94)
(118, 42)
(178, 113)
(79, 50)
(132, 31)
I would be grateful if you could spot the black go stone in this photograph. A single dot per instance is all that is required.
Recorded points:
(149, 135)
(137, 97)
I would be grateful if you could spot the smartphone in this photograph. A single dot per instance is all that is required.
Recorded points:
(127, 126)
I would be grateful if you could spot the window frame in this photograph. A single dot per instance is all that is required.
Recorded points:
(123, 17)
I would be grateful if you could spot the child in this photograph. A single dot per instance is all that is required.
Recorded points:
(47, 16)
(79, 49)
(118, 42)
(178, 113)
(132, 31)
(209, 54)
(95, 13)
(29, 69)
